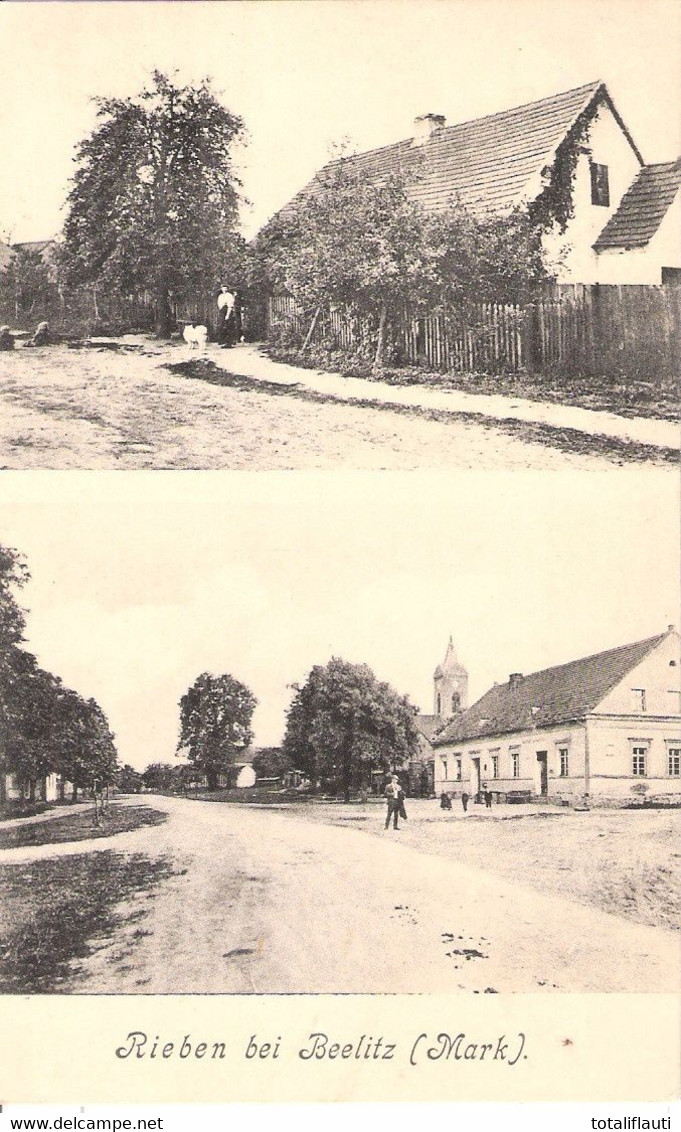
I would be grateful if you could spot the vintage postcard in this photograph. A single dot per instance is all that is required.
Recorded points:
(340, 701)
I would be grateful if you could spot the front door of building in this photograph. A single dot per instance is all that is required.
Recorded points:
(543, 766)
(475, 762)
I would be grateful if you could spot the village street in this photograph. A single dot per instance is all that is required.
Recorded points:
(122, 408)
(265, 902)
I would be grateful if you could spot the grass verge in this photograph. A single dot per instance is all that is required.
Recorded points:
(627, 398)
(80, 827)
(569, 440)
(51, 909)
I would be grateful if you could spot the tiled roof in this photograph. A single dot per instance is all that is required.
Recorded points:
(428, 725)
(486, 162)
(547, 698)
(642, 208)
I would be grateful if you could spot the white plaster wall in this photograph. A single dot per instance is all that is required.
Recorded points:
(644, 265)
(610, 750)
(659, 675)
(50, 788)
(572, 252)
(527, 743)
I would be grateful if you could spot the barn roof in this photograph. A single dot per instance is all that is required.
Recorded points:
(553, 696)
(486, 163)
(642, 208)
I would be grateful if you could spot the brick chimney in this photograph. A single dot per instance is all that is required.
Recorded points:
(426, 125)
(514, 680)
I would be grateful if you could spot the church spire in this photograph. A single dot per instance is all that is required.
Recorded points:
(450, 681)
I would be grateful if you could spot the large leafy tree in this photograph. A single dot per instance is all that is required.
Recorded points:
(353, 244)
(153, 202)
(215, 723)
(343, 724)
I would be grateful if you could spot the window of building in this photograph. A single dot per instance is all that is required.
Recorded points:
(458, 770)
(564, 762)
(495, 766)
(639, 699)
(439, 704)
(444, 768)
(638, 761)
(674, 762)
(515, 764)
(600, 185)
(456, 701)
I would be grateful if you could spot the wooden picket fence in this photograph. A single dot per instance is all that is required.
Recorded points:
(631, 332)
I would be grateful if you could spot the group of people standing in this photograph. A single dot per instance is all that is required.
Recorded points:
(485, 796)
(394, 796)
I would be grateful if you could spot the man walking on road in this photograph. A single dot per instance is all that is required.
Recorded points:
(395, 799)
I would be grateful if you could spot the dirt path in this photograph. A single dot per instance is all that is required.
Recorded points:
(99, 409)
(271, 904)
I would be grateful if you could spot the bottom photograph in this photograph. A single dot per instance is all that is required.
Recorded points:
(355, 735)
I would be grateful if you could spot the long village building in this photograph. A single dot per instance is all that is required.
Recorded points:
(606, 727)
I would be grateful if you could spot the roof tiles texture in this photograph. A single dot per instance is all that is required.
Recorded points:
(485, 163)
(547, 698)
(642, 207)
(428, 725)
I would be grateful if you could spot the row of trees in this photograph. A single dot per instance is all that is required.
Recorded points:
(152, 216)
(343, 726)
(45, 727)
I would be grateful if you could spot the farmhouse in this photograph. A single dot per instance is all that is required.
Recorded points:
(594, 727)
(571, 154)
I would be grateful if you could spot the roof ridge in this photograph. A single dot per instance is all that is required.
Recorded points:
(592, 656)
(594, 86)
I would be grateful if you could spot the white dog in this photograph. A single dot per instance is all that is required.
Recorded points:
(195, 336)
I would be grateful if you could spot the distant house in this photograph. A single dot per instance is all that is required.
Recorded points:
(492, 164)
(45, 249)
(49, 788)
(597, 726)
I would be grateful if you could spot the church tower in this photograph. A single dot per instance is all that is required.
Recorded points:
(450, 682)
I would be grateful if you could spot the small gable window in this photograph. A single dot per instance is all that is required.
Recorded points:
(600, 185)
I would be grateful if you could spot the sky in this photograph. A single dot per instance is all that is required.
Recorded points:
(143, 580)
(305, 75)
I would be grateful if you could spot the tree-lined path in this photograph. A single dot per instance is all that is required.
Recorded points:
(263, 902)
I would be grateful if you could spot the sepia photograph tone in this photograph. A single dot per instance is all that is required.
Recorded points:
(302, 235)
(339, 549)
(438, 750)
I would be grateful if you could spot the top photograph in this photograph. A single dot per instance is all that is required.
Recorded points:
(340, 235)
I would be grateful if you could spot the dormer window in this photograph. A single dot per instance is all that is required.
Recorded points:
(600, 185)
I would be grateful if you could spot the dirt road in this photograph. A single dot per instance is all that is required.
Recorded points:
(100, 409)
(266, 903)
